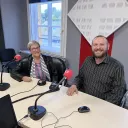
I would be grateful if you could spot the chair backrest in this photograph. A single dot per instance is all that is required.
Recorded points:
(60, 66)
(124, 102)
(7, 54)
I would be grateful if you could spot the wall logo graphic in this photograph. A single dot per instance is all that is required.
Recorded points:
(99, 17)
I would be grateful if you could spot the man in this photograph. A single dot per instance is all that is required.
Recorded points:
(36, 65)
(101, 75)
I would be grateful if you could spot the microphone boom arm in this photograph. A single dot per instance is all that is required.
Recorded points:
(37, 112)
(49, 91)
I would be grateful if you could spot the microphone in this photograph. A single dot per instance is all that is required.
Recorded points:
(67, 75)
(37, 112)
(17, 57)
(5, 86)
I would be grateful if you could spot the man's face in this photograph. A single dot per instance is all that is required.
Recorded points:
(100, 47)
(35, 50)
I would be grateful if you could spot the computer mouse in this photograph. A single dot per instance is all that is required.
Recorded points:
(54, 87)
(41, 82)
(83, 109)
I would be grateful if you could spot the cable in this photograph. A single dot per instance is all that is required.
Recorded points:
(49, 91)
(23, 92)
(26, 97)
(57, 120)
(23, 118)
(62, 126)
(62, 118)
(51, 123)
(41, 94)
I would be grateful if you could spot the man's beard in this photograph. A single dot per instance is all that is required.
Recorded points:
(101, 55)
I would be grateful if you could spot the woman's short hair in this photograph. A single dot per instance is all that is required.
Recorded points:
(31, 43)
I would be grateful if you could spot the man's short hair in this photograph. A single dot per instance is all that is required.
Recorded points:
(31, 43)
(100, 36)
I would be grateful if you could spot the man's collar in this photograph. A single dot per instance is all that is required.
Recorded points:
(106, 59)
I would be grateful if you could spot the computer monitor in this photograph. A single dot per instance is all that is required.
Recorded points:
(7, 114)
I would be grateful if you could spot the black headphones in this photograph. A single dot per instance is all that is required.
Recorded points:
(41, 82)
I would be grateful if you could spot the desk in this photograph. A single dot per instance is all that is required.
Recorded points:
(103, 114)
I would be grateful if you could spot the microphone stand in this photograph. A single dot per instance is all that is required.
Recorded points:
(36, 112)
(4, 86)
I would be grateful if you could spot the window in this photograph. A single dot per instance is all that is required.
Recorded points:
(47, 26)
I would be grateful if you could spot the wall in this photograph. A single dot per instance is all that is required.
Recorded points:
(118, 42)
(15, 28)
(73, 42)
(120, 48)
(15, 25)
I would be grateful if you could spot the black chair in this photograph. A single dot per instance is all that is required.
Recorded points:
(60, 66)
(124, 102)
(7, 55)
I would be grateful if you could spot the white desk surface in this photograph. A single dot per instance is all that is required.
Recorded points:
(102, 115)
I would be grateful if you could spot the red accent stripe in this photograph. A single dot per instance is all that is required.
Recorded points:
(85, 48)
(110, 40)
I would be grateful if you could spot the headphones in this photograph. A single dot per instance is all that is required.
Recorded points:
(41, 82)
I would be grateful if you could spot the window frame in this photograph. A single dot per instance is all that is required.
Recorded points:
(63, 29)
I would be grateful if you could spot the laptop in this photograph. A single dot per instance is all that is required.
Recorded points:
(7, 114)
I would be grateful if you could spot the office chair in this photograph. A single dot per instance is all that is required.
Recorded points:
(60, 66)
(124, 102)
(7, 55)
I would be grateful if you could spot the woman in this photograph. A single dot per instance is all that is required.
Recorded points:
(35, 65)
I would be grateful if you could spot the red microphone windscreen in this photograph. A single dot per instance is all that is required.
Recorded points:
(17, 57)
(68, 74)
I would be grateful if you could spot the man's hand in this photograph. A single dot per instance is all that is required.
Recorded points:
(72, 90)
(26, 79)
